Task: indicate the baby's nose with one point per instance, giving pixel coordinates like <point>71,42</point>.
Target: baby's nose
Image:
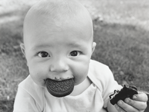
<point>59,66</point>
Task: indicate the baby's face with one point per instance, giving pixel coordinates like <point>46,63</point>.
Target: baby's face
<point>57,51</point>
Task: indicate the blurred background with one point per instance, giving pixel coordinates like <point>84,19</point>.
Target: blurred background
<point>121,31</point>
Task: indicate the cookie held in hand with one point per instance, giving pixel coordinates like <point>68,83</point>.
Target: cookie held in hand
<point>125,92</point>
<point>60,88</point>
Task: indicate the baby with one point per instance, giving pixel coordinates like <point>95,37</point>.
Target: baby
<point>58,45</point>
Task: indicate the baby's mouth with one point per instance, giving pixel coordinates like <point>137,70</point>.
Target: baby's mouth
<point>60,88</point>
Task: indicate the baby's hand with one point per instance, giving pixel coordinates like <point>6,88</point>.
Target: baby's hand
<point>137,104</point>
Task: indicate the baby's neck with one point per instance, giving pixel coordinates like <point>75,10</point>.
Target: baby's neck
<point>78,89</point>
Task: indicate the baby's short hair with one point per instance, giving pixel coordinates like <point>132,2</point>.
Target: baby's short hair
<point>58,10</point>
<point>57,13</point>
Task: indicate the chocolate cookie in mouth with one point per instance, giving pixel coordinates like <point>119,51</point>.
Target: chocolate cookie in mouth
<point>60,88</point>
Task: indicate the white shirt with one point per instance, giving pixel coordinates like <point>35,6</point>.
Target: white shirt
<point>33,98</point>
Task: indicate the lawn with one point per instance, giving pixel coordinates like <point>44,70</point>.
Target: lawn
<point>121,33</point>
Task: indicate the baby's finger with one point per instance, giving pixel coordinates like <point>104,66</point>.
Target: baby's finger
<point>136,104</point>
<point>119,109</point>
<point>127,107</point>
<point>141,97</point>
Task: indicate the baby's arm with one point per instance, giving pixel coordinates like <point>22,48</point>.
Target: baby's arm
<point>111,108</point>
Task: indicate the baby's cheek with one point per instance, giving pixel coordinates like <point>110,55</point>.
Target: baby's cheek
<point>80,73</point>
<point>38,75</point>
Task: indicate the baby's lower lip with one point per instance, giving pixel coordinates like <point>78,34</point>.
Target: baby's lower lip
<point>59,79</point>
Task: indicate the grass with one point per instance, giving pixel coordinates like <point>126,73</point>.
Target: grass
<point>12,63</point>
<point>123,47</point>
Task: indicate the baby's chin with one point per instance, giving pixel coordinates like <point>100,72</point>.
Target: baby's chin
<point>57,87</point>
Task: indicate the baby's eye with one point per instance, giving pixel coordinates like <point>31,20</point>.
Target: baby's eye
<point>75,53</point>
<point>43,54</point>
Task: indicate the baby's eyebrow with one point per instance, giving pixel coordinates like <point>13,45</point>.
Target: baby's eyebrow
<point>71,44</point>
<point>75,44</point>
<point>36,47</point>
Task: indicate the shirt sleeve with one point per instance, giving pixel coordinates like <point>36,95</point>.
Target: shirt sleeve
<point>104,79</point>
<point>24,102</point>
<point>110,85</point>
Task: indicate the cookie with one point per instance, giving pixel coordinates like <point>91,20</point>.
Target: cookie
<point>60,88</point>
<point>125,92</point>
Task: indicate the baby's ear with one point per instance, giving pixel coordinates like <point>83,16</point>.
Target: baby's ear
<point>22,48</point>
<point>93,46</point>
